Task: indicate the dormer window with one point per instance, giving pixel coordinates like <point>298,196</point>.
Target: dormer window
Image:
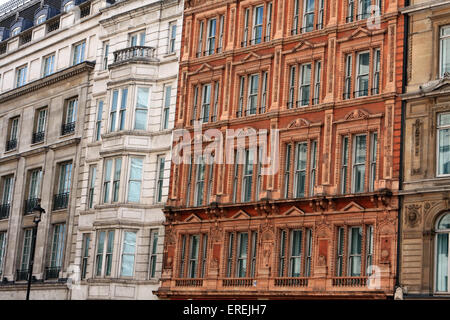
<point>40,19</point>
<point>69,5</point>
<point>15,31</point>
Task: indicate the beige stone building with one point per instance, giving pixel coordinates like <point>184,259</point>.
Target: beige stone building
<point>425,225</point>
<point>87,95</point>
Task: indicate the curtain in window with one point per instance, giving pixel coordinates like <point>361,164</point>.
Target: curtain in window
<point>134,188</point>
<point>129,249</point>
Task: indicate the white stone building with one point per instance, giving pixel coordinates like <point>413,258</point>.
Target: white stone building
<point>87,103</point>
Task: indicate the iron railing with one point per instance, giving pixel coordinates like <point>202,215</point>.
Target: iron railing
<point>188,282</point>
<point>38,137</point>
<point>52,26</point>
<point>11,144</point>
<point>67,128</point>
<point>61,201</point>
<point>21,275</point>
<point>52,272</point>
<point>30,204</point>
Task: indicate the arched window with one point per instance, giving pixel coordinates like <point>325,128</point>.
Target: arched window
<point>442,249</point>
<point>40,19</point>
<point>69,5</point>
<point>15,31</point>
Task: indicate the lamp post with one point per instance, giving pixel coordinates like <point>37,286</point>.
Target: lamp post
<point>37,215</point>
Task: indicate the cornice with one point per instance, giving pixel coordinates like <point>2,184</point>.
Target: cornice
<point>47,81</point>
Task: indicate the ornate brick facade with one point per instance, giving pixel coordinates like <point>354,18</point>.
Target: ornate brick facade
<point>315,226</point>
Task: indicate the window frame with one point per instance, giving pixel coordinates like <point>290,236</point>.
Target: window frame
<point>440,127</point>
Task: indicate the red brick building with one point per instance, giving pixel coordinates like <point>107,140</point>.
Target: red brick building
<point>322,76</point>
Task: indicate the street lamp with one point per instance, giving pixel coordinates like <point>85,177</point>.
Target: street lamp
<point>37,215</point>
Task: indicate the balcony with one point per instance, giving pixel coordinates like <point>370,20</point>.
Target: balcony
<point>38,137</point>
<point>30,204</point>
<point>22,275</point>
<point>52,272</point>
<point>134,54</point>
<point>4,211</point>
<point>188,282</point>
<point>349,281</point>
<point>11,144</point>
<point>61,201</point>
<point>237,282</point>
<point>53,26</point>
<point>290,282</point>
<point>67,128</point>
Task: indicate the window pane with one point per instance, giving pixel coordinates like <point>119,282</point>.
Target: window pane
<point>445,56</point>
<point>442,263</point>
<point>444,223</point>
<point>129,247</point>
<point>444,151</point>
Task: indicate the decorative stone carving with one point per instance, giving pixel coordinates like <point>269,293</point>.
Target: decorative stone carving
<point>357,115</point>
<point>412,217</point>
<point>299,123</point>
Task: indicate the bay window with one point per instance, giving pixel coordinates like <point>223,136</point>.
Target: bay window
<point>142,102</point>
<point>118,113</point>
<point>128,253</point>
<point>135,180</point>
<point>111,180</point>
<point>103,257</point>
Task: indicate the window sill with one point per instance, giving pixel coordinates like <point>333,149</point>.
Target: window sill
<point>168,55</point>
<point>37,143</point>
<point>11,151</point>
<point>67,134</point>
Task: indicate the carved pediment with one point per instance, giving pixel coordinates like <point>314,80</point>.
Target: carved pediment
<point>193,218</point>
<point>357,115</point>
<point>299,123</point>
<point>302,45</point>
<point>352,207</point>
<point>241,214</point>
<point>204,66</point>
<point>436,86</point>
<point>294,211</point>
<point>251,56</point>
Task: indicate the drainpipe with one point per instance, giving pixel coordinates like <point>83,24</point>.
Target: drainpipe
<point>402,134</point>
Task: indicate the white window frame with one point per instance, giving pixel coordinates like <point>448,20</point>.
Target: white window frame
<point>443,38</point>
<point>440,127</point>
<point>134,254</point>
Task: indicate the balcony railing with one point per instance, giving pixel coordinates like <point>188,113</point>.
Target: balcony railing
<point>349,281</point>
<point>237,282</point>
<point>85,11</point>
<point>291,282</point>
<point>188,282</point>
<point>61,201</point>
<point>3,47</point>
<point>25,38</point>
<point>30,204</point>
<point>11,144</point>
<point>52,272</point>
<point>52,26</point>
<point>134,53</point>
<point>38,137</point>
<point>4,211</point>
<point>22,275</point>
<point>67,128</point>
